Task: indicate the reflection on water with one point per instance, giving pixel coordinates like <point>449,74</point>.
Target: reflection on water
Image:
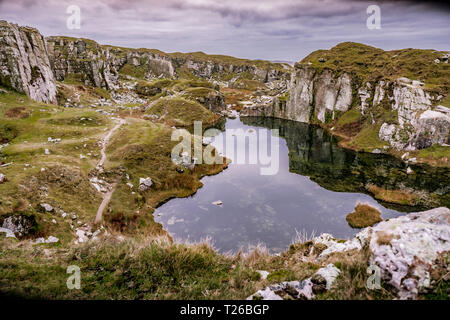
<point>316,186</point>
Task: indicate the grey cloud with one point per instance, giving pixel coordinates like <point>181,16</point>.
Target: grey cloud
<point>281,30</point>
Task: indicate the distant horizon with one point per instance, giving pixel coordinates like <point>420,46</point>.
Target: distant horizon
<point>285,30</point>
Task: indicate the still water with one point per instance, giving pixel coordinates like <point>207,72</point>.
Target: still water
<point>316,186</point>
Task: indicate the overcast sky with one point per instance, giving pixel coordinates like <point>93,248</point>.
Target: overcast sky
<point>256,29</point>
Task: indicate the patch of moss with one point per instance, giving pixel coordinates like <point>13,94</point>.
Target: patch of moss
<point>8,131</point>
<point>364,215</point>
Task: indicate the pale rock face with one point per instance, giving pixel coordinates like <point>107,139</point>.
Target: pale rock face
<point>417,239</point>
<point>24,63</point>
<point>299,105</point>
<point>344,99</point>
<point>379,93</point>
<point>325,96</point>
<point>387,131</point>
<point>96,66</point>
<point>404,248</point>
<point>364,93</point>
<point>408,101</point>
<point>432,127</point>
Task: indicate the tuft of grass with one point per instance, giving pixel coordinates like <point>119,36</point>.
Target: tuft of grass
<point>403,197</point>
<point>384,238</point>
<point>364,215</point>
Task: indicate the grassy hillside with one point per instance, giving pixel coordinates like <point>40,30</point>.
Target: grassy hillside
<point>370,64</point>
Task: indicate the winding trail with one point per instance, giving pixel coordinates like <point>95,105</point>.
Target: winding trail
<point>107,195</point>
<point>106,141</point>
<point>106,199</point>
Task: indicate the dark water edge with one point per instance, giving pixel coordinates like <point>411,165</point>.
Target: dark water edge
<point>317,185</point>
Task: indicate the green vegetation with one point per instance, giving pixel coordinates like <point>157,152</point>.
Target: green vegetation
<point>363,216</point>
<point>180,112</point>
<point>350,116</point>
<point>370,63</point>
<point>404,197</point>
<point>367,139</point>
<point>137,72</point>
<point>8,131</point>
<point>143,149</point>
<point>435,152</point>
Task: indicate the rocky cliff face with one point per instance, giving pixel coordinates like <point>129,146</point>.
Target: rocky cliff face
<point>417,125</point>
<point>322,96</point>
<point>86,60</point>
<point>24,63</point>
<point>99,65</point>
<point>31,64</point>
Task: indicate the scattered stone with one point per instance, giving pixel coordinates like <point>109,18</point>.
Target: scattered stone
<point>299,290</point>
<point>292,290</point>
<point>82,156</point>
<point>53,221</point>
<point>47,152</point>
<point>409,170</point>
<point>6,164</point>
<point>47,207</point>
<point>217,203</point>
<point>130,185</point>
<point>322,60</point>
<point>8,232</point>
<point>329,273</point>
<point>2,178</point>
<point>50,139</point>
<point>50,239</point>
<point>145,184</point>
<point>376,151</point>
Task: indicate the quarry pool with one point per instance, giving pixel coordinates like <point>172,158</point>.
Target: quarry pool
<point>316,186</point>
